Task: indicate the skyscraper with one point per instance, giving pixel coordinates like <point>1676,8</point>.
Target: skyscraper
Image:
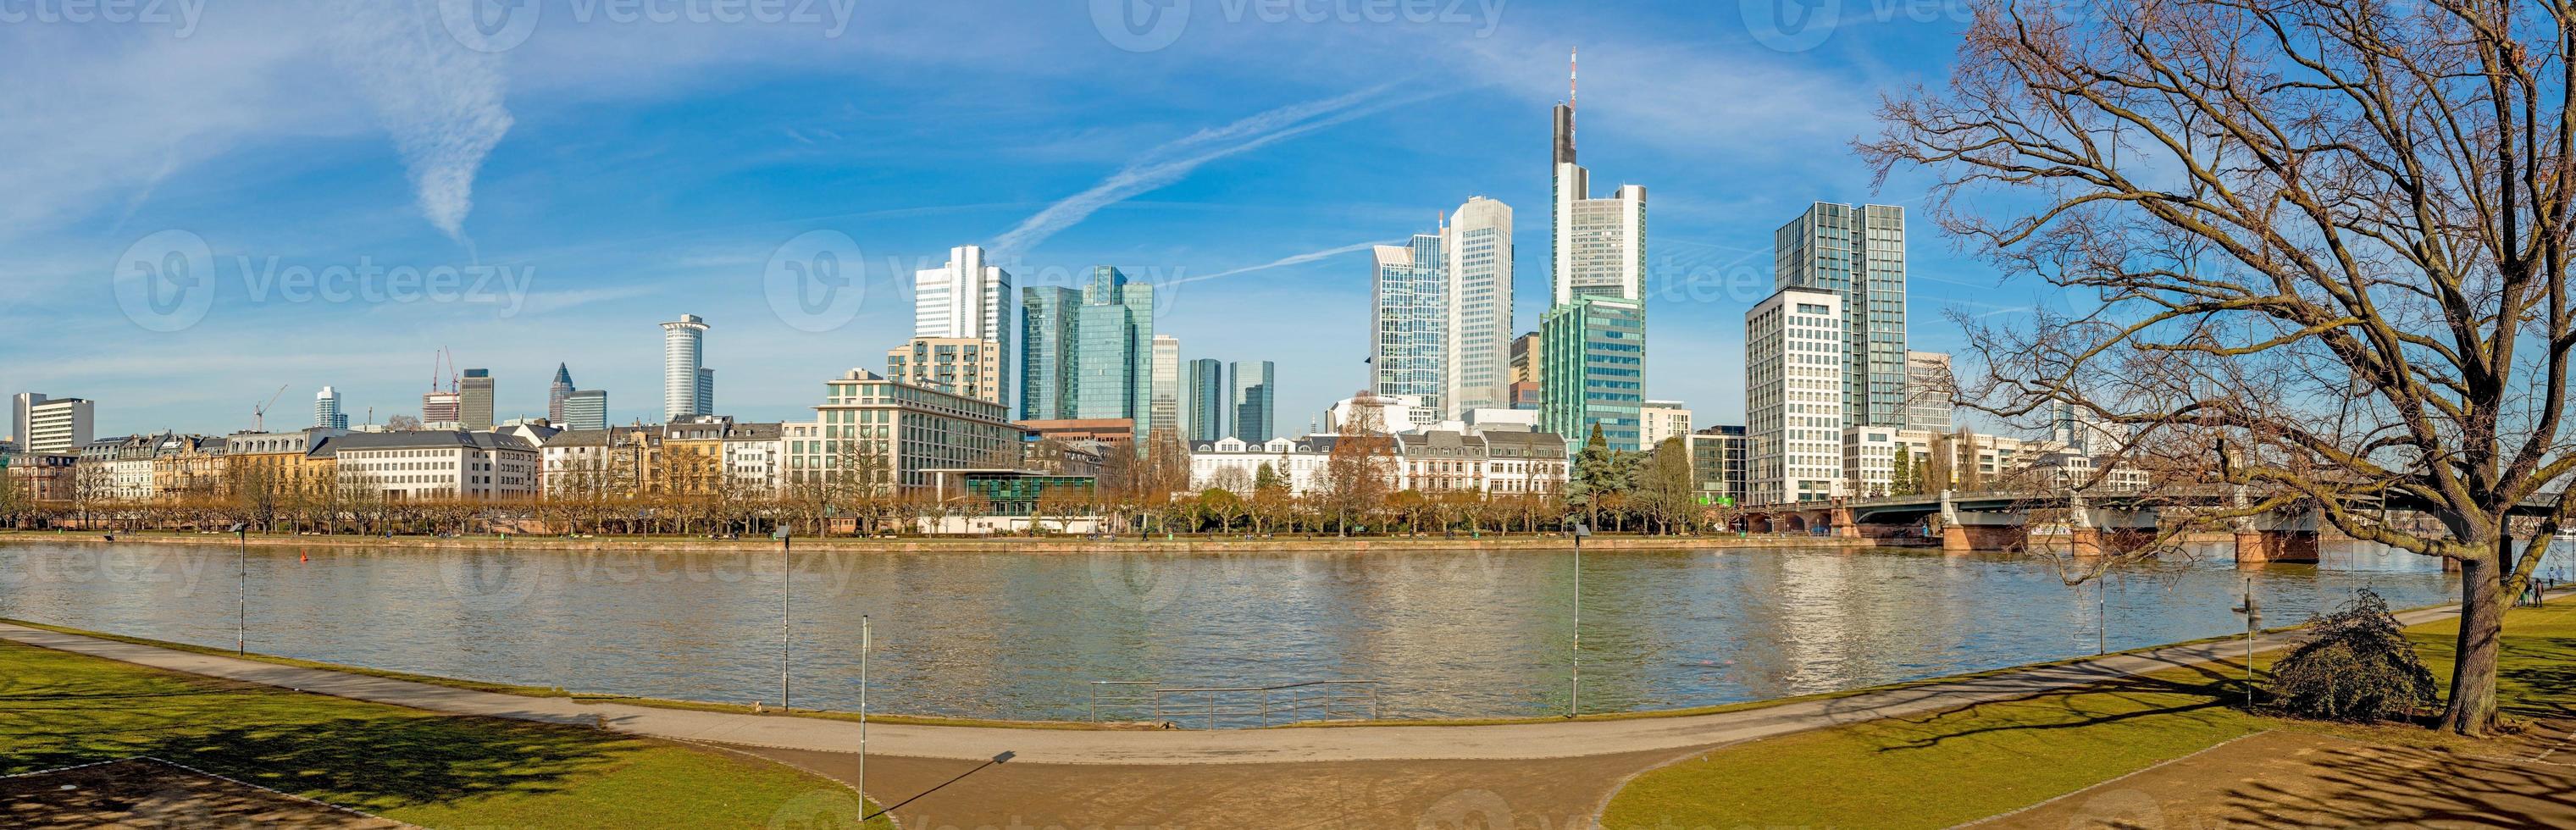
<point>1928,390</point>
<point>474,400</point>
<point>1255,401</point>
<point>1858,253</point>
<point>1046,352</point>
<point>684,368</point>
<point>967,299</point>
<point>1593,359</point>
<point>585,409</point>
<point>556,392</point>
<point>1477,248</point>
<point>1597,247</point>
<point>1793,396</point>
<point>956,365</point>
<point>1410,323</point>
<point>1166,374</point>
<point>1203,402</point>
<point>1089,357</point>
<point>326,410</point>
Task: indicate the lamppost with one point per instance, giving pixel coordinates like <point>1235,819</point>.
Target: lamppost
<point>786,609</point>
<point>1574,702</point>
<point>2253,619</point>
<point>241,610</point>
<point>864,646</point>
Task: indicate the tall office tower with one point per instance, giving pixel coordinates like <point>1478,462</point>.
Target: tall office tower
<point>1409,321</point>
<point>1593,368</point>
<point>956,365</point>
<point>967,299</point>
<point>1658,420</point>
<point>585,409</point>
<point>1203,403</point>
<point>1477,248</point>
<point>326,410</point>
<point>1928,390</point>
<point>1047,352</point>
<point>556,392</point>
<point>1858,253</point>
<point>1166,409</point>
<point>1793,396</point>
<point>474,400</point>
<point>684,355</point>
<point>1114,350</point>
<point>1597,246</point>
<point>706,391</point>
<point>51,425</point>
<point>1255,400</point>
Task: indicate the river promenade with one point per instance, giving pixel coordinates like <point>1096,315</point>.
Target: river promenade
<point>1211,543</point>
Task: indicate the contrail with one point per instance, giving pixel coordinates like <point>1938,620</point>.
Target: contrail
<point>439,100</point>
<point>1169,162</point>
<point>1291,260</point>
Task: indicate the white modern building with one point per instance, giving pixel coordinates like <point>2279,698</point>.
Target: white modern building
<point>1437,462</point>
<point>43,425</point>
<point>688,386</point>
<point>1234,464</point>
<point>1164,414</point>
<point>969,299</point>
<point>1929,388</point>
<point>1477,248</point>
<point>885,435</point>
<point>1658,420</point>
<point>327,413</point>
<point>1793,396</point>
<point>437,464</point>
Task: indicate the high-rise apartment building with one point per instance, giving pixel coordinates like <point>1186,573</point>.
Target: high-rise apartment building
<point>1929,389</point>
<point>1165,412</point>
<point>956,365</point>
<point>1793,396</point>
<point>43,425</point>
<point>1203,400</point>
<point>327,413</point>
<point>687,385</point>
<point>556,392</point>
<point>967,299</point>
<point>585,409</point>
<point>1859,253</point>
<point>1410,323</point>
<point>1255,400</point>
<point>474,400</point>
<point>1658,420</point>
<point>1593,367</point>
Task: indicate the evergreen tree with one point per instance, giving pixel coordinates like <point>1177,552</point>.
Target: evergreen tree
<point>1901,482</point>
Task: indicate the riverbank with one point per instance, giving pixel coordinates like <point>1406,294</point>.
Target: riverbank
<point>1274,543</point>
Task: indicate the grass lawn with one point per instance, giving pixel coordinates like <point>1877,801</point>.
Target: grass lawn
<point>58,709</point>
<point>1940,769</point>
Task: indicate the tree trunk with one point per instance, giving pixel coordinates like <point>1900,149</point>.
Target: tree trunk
<point>2473,679</point>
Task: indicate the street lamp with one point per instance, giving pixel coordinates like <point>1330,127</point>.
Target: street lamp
<point>2253,619</point>
<point>1574,702</point>
<point>865,644</point>
<point>786,609</point>
<point>241,610</point>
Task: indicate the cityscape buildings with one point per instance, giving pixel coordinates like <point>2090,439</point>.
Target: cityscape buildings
<point>887,436</point>
<point>1859,253</point>
<point>1088,355</point>
<point>688,387</point>
<point>557,391</point>
<point>1253,400</point>
<point>1593,359</point>
<point>1477,249</point>
<point>41,424</point>
<point>1793,396</point>
<point>585,409</point>
<point>474,400</point>
<point>1410,322</point>
<point>959,365</point>
<point>1204,404</point>
<point>1928,391</point>
<point>968,299</point>
<point>1658,420</point>
<point>326,410</point>
<point>1164,416</point>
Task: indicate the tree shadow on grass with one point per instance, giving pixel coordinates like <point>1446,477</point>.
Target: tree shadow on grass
<point>2107,702</point>
<point>2371,786</point>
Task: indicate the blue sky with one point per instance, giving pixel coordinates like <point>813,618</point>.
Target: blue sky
<point>615,171</point>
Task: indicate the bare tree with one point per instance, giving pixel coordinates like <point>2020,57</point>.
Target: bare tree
<point>2314,252</point>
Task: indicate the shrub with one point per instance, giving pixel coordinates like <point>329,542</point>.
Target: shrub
<point>2356,666</point>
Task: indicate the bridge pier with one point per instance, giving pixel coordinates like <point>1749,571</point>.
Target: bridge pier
<point>2267,539</point>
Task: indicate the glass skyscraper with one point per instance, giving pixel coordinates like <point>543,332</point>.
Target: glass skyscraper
<point>1411,323</point>
<point>1256,411</point>
<point>1091,358</point>
<point>1046,354</point>
<point>1859,253</point>
<point>1593,365</point>
<point>1203,400</point>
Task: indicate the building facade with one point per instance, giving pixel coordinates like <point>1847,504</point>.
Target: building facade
<point>1929,388</point>
<point>557,391</point>
<point>1254,400</point>
<point>1658,420</point>
<point>1594,362</point>
<point>968,299</point>
<point>327,413</point>
<point>585,409</point>
<point>1164,415</point>
<point>43,425</point>
<point>1858,253</point>
<point>437,464</point>
<point>474,400</point>
<point>1793,396</point>
<point>958,365</point>
<point>1203,403</point>
<point>688,386</point>
<point>1477,249</point>
<point>885,436</point>
<point>1720,462</point>
<point>1088,357</point>
<point>1409,322</point>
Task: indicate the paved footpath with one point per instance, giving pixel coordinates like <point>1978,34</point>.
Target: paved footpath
<point>1571,739</point>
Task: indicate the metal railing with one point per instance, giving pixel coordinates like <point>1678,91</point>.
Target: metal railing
<point>1224,707</point>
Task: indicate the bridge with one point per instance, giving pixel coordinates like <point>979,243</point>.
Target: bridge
<point>2093,523</point>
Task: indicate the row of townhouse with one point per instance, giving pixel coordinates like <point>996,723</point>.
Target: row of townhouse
<point>1493,462</point>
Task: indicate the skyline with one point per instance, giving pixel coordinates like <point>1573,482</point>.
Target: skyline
<point>622,205</point>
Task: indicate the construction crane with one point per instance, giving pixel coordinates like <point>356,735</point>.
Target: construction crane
<point>259,414</point>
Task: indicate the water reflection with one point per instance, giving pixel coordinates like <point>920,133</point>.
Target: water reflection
<point>1020,636</point>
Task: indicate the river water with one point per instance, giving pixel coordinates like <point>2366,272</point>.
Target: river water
<point>1445,634</point>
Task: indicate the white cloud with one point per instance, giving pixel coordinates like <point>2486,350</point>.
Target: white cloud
<point>441,102</point>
